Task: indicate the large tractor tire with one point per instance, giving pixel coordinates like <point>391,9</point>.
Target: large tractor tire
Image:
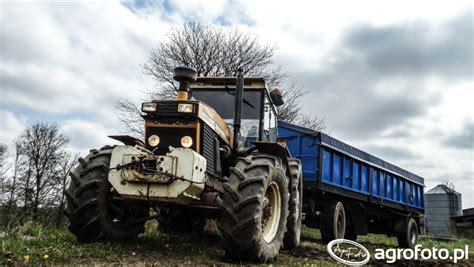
<point>295,216</point>
<point>181,221</point>
<point>95,210</point>
<point>409,237</point>
<point>333,221</point>
<point>255,209</point>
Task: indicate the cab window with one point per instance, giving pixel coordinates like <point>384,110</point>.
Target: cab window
<point>223,102</point>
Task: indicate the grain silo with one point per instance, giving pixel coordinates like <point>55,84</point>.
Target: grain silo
<point>441,204</point>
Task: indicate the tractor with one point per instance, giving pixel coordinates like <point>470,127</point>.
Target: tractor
<point>212,152</point>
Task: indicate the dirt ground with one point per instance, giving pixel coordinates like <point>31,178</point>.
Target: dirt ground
<point>205,250</point>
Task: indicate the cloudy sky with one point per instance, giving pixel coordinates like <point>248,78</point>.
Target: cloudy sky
<point>392,78</point>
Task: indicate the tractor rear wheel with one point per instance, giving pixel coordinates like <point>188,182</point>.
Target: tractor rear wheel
<point>255,209</point>
<point>95,210</point>
<point>295,216</point>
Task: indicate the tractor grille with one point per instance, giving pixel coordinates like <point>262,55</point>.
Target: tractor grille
<point>210,150</point>
<point>167,112</point>
<point>167,108</point>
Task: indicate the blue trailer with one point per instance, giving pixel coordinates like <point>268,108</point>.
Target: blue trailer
<point>348,192</point>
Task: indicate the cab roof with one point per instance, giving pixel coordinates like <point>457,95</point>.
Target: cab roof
<point>226,82</point>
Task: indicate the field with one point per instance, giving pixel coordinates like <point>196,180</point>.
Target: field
<point>36,245</point>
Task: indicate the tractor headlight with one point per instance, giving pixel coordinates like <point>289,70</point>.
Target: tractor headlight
<point>186,141</point>
<point>153,140</point>
<point>185,108</point>
<point>148,107</point>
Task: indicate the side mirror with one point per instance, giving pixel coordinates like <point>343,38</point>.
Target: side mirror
<point>276,97</point>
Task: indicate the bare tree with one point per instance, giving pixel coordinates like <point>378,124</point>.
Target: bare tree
<point>130,117</point>
<point>212,51</point>
<point>448,184</point>
<point>12,191</point>
<point>311,122</point>
<point>42,150</point>
<point>3,171</point>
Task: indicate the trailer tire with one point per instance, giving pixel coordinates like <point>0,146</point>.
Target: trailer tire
<point>295,215</point>
<point>409,237</point>
<point>92,213</point>
<point>333,221</point>
<point>254,209</point>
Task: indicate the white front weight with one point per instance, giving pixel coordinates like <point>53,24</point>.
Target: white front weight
<point>187,166</point>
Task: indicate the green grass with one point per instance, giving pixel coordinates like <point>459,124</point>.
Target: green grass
<point>37,245</point>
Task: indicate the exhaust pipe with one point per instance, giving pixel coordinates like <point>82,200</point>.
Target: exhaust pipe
<point>184,75</point>
<point>239,97</point>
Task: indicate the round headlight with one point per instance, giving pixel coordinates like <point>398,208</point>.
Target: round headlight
<point>186,141</point>
<point>153,140</point>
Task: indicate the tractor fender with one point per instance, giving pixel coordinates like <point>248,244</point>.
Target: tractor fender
<point>128,140</point>
<point>276,149</point>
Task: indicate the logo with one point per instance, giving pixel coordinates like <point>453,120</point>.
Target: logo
<point>348,252</point>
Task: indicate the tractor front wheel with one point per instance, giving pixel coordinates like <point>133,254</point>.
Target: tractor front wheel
<point>255,209</point>
<point>95,210</point>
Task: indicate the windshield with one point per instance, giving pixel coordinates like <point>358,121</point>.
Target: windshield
<point>223,102</point>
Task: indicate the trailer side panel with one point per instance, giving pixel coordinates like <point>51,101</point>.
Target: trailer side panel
<point>347,170</point>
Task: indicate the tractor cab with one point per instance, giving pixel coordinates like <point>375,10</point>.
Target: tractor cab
<point>258,116</point>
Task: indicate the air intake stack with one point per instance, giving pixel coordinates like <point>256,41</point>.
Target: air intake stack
<point>184,75</point>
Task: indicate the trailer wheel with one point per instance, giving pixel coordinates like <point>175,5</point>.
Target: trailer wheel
<point>295,215</point>
<point>409,237</point>
<point>255,209</point>
<point>333,221</point>
<point>95,210</point>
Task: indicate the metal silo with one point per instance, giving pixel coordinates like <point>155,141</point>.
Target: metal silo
<point>441,204</point>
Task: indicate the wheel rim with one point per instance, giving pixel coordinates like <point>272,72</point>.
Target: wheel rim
<point>271,212</point>
<point>413,235</point>
<point>297,209</point>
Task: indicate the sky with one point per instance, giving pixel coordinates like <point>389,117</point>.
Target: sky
<point>393,78</point>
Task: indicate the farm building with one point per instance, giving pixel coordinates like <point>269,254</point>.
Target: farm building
<point>441,205</point>
<point>465,223</point>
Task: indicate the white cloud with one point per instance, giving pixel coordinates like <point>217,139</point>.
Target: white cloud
<point>66,61</point>
<point>69,61</point>
<point>12,126</point>
<point>74,57</point>
<point>85,135</point>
